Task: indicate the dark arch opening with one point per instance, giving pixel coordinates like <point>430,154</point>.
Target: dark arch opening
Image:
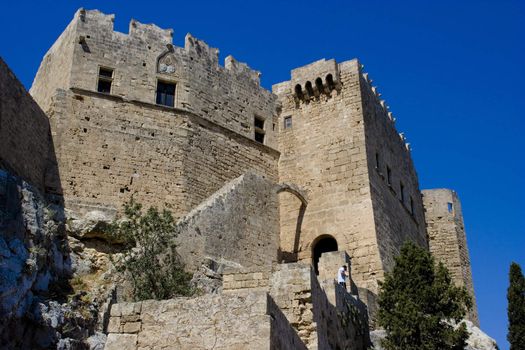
<point>324,244</point>
<point>319,85</point>
<point>298,91</point>
<point>309,88</point>
<point>330,81</point>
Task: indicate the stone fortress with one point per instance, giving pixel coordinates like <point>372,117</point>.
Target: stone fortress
<point>274,190</point>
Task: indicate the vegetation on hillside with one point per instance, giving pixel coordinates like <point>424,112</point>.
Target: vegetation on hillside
<point>419,306</point>
<point>516,308</point>
<point>150,261</point>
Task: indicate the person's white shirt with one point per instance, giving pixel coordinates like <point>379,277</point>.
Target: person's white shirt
<point>341,274</point>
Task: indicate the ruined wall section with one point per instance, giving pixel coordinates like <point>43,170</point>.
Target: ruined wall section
<point>398,216</point>
<point>447,238</point>
<point>109,149</point>
<point>233,321</point>
<point>324,153</point>
<point>230,96</point>
<point>238,225</point>
<point>26,147</point>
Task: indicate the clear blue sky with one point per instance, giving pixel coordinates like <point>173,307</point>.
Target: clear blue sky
<point>451,71</point>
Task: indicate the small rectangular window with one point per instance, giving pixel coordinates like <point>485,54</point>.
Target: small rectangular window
<point>389,176</point>
<point>378,165</point>
<point>105,78</point>
<point>287,122</point>
<point>402,190</point>
<point>165,94</point>
<point>450,207</point>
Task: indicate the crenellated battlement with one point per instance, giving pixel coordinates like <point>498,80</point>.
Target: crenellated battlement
<point>101,22</point>
<point>389,117</point>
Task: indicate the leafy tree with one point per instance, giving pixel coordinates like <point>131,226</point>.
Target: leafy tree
<point>419,305</point>
<point>516,308</point>
<point>150,260</point>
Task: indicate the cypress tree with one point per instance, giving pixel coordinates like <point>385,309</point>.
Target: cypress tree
<point>516,308</point>
<point>419,305</point>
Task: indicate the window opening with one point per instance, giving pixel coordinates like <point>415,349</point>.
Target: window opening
<point>389,176</point>
<point>165,94</point>
<point>258,123</point>
<point>378,165</point>
<point>450,207</point>
<point>411,206</point>
<point>287,122</point>
<point>105,78</point>
<point>402,190</point>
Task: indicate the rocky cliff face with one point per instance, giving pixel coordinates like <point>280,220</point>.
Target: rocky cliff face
<point>39,308</point>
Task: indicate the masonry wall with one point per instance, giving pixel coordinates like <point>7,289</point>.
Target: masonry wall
<point>110,149</point>
<point>324,153</point>
<point>26,147</point>
<point>398,217</point>
<point>447,238</point>
<point>240,321</point>
<point>322,321</point>
<point>237,226</point>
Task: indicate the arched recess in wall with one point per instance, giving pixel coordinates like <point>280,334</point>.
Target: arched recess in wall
<point>322,244</point>
<point>292,207</point>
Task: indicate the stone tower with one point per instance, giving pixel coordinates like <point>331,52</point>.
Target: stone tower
<point>447,238</point>
<point>339,144</point>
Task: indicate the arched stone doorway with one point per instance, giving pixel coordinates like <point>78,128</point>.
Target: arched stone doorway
<point>322,245</point>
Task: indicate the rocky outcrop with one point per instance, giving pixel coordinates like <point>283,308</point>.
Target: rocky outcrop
<point>40,305</point>
<point>478,340</point>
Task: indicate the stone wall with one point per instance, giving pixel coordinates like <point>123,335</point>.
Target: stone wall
<point>321,323</point>
<point>238,225</point>
<point>447,238</point>
<point>324,153</point>
<point>110,149</point>
<point>397,216</point>
<point>26,147</point>
<point>233,321</point>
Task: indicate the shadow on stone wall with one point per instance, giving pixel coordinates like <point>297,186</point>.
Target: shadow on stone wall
<point>35,258</point>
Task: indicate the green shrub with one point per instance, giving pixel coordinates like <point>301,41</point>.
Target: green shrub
<point>150,261</point>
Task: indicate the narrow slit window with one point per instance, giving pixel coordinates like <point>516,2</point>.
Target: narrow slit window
<point>165,93</point>
<point>288,122</point>
<point>450,207</point>
<point>411,206</point>
<point>389,176</point>
<point>402,192</point>
<point>105,78</point>
<point>378,165</point>
<point>258,124</point>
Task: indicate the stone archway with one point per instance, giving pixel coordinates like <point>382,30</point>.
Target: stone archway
<point>322,245</point>
<point>292,210</point>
